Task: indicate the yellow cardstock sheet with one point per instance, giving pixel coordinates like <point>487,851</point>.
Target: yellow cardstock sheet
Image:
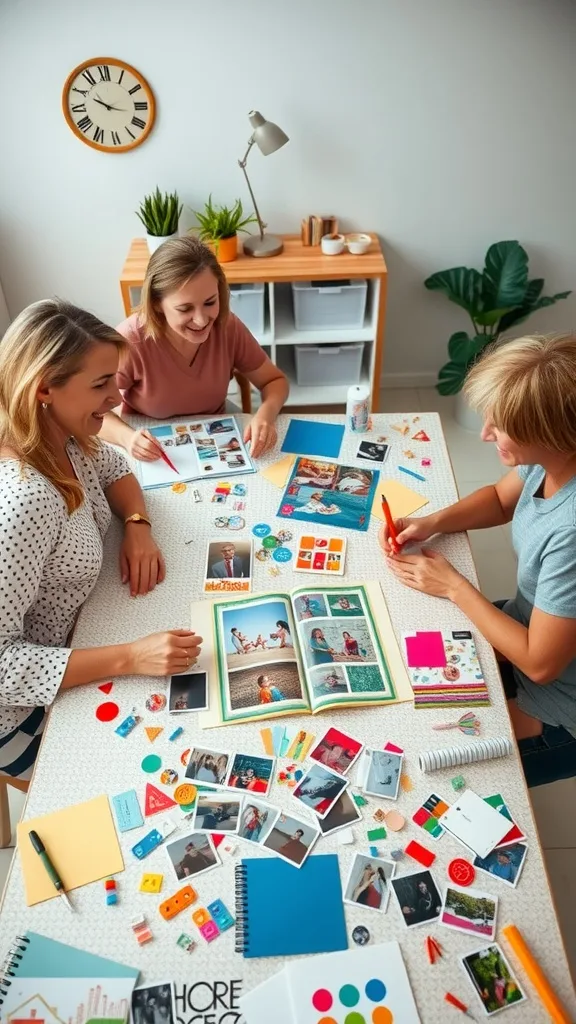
<point>279,472</point>
<point>81,842</point>
<point>403,502</point>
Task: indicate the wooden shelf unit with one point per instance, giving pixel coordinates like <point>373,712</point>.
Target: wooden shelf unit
<point>297,263</point>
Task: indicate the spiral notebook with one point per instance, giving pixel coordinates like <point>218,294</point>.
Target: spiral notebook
<point>282,911</point>
<point>45,980</point>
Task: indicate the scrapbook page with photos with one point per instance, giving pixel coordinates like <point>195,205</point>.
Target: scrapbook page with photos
<point>325,492</point>
<point>304,651</point>
<point>204,449</point>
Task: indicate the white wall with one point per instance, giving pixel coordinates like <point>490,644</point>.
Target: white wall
<point>442,124</point>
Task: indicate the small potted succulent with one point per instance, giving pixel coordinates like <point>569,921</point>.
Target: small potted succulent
<point>219,226</point>
<point>160,214</point>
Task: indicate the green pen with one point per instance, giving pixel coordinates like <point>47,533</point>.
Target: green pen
<point>53,874</point>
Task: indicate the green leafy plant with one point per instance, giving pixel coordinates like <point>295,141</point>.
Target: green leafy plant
<point>218,222</point>
<point>160,213</point>
<point>496,300</point>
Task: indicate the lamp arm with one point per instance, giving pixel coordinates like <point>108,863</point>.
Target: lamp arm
<point>242,164</point>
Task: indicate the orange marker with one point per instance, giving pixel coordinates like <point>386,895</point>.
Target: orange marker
<point>390,524</point>
<point>546,993</point>
<point>458,1005</point>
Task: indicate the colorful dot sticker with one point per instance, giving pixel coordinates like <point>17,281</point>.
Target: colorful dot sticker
<point>151,763</point>
<point>349,996</point>
<point>322,1000</point>
<point>270,543</point>
<point>282,554</point>
<point>107,711</point>
<point>261,530</point>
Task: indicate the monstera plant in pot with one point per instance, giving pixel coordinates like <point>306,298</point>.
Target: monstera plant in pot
<point>496,300</point>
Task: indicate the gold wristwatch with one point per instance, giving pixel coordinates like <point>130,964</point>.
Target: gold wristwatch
<point>137,518</point>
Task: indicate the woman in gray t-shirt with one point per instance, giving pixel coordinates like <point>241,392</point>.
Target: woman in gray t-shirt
<point>526,391</point>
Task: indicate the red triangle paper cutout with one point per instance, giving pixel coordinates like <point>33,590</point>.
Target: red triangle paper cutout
<point>421,436</point>
<point>217,839</point>
<point>106,687</point>
<point>155,800</point>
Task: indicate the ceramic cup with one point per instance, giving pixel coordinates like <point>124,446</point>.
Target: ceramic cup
<point>358,243</point>
<point>332,245</point>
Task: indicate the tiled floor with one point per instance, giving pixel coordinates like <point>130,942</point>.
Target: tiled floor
<point>476,464</point>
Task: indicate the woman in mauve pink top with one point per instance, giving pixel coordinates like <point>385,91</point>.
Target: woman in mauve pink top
<point>184,345</point>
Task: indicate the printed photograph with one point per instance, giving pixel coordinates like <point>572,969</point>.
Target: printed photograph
<point>217,812</point>
<point>323,492</point>
<point>228,444</point>
<point>336,750</point>
<point>224,426</point>
<point>252,772</point>
<point>229,560</point>
<point>182,439</point>
<point>256,820</point>
<point>345,605</point>
<point>264,684</point>
<point>291,838</point>
<point>257,633</point>
<point>210,767</point>
<point>371,452</point>
<point>368,882</point>
<point>383,778</point>
<point>196,428</point>
<point>332,643</point>
<point>504,864</point>
<point>188,692</point>
<point>311,606</point>
<point>319,789</point>
<point>418,898</point>
<point>492,979</point>
<point>469,910</point>
<point>343,813</point>
<point>327,682</point>
<point>153,1004</point>
<point>191,855</point>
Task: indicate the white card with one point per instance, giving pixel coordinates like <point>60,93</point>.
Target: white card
<point>268,1001</point>
<point>475,823</point>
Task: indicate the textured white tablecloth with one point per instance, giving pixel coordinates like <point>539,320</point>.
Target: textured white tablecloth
<point>82,758</point>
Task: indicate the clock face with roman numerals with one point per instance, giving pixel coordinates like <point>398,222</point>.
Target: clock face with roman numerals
<point>108,104</point>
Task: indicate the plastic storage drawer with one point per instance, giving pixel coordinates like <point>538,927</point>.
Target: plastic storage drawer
<point>329,364</point>
<point>320,305</point>
<point>247,302</point>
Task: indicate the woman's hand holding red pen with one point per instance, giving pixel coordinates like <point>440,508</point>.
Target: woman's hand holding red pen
<point>408,531</point>
<point>144,447</point>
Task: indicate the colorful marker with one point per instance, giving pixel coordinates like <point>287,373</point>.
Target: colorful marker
<point>390,524</point>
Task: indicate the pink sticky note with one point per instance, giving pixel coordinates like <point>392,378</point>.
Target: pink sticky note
<point>393,749</point>
<point>426,650</point>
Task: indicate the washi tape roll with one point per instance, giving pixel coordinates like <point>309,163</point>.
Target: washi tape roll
<point>450,757</point>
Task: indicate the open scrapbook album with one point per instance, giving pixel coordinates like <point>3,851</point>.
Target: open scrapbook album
<point>308,650</point>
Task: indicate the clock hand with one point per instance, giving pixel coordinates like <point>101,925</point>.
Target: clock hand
<point>102,104</point>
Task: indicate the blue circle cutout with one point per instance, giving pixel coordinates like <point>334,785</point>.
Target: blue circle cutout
<point>281,554</point>
<point>261,530</point>
<point>375,990</point>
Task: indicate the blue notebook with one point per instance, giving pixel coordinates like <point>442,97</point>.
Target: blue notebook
<point>287,911</point>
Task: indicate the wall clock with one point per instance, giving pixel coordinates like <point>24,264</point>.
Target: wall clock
<point>108,104</point>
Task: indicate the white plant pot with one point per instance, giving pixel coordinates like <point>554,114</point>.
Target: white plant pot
<point>466,417</point>
<point>155,241</point>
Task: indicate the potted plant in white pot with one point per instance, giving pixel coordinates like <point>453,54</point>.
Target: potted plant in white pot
<point>219,225</point>
<point>160,214</point>
<point>496,300</point>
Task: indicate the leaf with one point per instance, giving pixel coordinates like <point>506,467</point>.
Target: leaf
<point>451,378</point>
<point>492,317</point>
<point>160,213</point>
<point>463,349</point>
<point>461,285</point>
<point>518,316</point>
<point>505,276</point>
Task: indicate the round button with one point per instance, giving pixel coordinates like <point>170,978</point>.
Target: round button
<point>184,757</point>
<point>361,935</point>
<point>236,523</point>
<point>107,711</point>
<point>461,871</point>
<point>185,794</point>
<point>156,702</point>
<point>284,536</point>
<point>151,763</point>
<point>395,821</point>
<point>169,777</point>
<point>270,542</point>
<point>261,530</point>
<point>221,522</point>
<point>282,554</point>
<point>179,487</point>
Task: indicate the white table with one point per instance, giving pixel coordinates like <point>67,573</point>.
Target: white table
<point>82,758</point>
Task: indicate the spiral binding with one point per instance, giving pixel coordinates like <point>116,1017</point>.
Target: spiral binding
<point>241,892</point>
<point>11,963</point>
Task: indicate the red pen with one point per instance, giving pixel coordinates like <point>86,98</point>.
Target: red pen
<point>391,528</point>
<point>163,453</point>
<point>458,1005</point>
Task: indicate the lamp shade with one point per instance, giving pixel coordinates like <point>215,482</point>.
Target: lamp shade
<point>267,135</point>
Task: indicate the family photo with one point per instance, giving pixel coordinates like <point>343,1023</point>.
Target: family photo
<point>218,813</point>
<point>331,643</point>
<point>319,789</point>
<point>492,978</point>
<point>188,692</point>
<point>291,838</point>
<point>210,767</point>
<point>418,898</point>
<point>336,750</point>
<point>257,632</point>
<point>256,821</point>
<point>265,684</point>
<point>191,855</point>
<point>152,1004</point>
<point>469,911</point>
<point>251,772</point>
<point>368,882</point>
<point>383,778</point>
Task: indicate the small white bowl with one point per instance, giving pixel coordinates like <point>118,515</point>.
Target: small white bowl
<point>358,243</point>
<point>332,245</point>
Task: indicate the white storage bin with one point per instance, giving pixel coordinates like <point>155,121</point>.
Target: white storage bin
<point>247,302</point>
<point>319,305</point>
<point>329,364</point>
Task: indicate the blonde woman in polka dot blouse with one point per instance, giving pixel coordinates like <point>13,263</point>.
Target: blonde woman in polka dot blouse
<point>59,486</point>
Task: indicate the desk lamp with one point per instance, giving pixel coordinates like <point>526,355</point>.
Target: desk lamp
<point>268,137</point>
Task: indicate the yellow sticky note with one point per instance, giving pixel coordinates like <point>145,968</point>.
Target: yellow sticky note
<point>151,883</point>
<point>81,842</point>
<point>403,502</point>
<point>279,472</point>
